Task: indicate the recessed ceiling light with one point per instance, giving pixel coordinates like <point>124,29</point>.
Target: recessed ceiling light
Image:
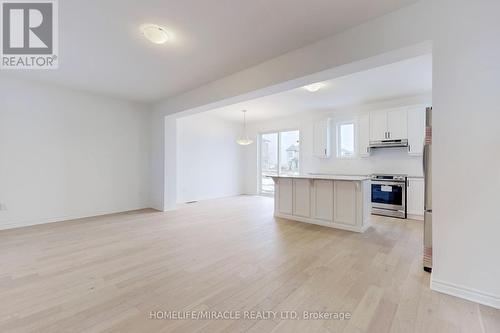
<point>314,87</point>
<point>154,33</point>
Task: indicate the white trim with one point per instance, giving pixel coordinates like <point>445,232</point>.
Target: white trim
<point>68,218</point>
<point>466,293</point>
<point>415,217</point>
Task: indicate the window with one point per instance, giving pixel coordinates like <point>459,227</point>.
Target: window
<point>268,162</point>
<point>345,140</point>
<point>289,153</point>
<point>279,155</point>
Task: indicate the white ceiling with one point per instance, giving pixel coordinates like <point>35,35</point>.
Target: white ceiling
<point>397,80</point>
<point>101,49</point>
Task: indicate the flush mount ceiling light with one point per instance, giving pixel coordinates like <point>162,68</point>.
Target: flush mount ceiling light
<point>154,33</point>
<point>314,87</point>
<point>244,140</point>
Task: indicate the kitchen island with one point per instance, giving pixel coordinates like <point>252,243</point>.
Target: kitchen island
<point>337,201</point>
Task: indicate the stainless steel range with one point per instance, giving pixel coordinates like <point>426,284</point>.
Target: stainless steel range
<point>389,195</point>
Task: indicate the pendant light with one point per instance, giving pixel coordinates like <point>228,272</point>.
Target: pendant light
<point>244,140</point>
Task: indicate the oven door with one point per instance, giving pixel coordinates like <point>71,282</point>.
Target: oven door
<point>388,195</point>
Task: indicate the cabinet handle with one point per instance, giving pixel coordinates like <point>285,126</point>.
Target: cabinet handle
<point>389,134</point>
<point>409,148</point>
<point>325,151</point>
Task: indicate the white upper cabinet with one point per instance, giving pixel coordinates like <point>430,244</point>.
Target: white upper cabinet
<point>397,124</point>
<point>388,125</point>
<point>416,131</point>
<point>364,136</point>
<point>321,140</point>
<point>378,126</point>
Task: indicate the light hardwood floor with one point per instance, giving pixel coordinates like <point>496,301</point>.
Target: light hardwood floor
<point>106,274</point>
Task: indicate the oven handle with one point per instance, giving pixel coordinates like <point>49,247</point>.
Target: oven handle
<point>375,182</point>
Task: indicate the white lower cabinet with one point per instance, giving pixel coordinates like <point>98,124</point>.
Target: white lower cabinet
<point>323,200</point>
<point>285,196</point>
<point>415,197</point>
<point>302,197</point>
<point>344,206</point>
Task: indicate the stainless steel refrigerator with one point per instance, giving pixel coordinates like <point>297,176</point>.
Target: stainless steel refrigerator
<point>427,163</point>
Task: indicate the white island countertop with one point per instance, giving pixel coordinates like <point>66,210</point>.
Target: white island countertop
<point>325,176</point>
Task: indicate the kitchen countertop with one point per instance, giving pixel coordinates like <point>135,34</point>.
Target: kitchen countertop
<point>326,177</point>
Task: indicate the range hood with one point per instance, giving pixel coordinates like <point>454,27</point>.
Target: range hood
<point>389,143</point>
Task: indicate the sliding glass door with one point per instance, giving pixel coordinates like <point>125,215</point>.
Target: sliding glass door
<point>279,155</point>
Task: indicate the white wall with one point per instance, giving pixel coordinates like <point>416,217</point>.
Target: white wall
<point>209,161</point>
<point>395,160</point>
<point>466,149</point>
<point>399,35</point>
<point>67,154</point>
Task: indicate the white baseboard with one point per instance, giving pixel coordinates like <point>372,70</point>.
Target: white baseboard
<point>415,217</point>
<point>30,223</point>
<point>466,293</point>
